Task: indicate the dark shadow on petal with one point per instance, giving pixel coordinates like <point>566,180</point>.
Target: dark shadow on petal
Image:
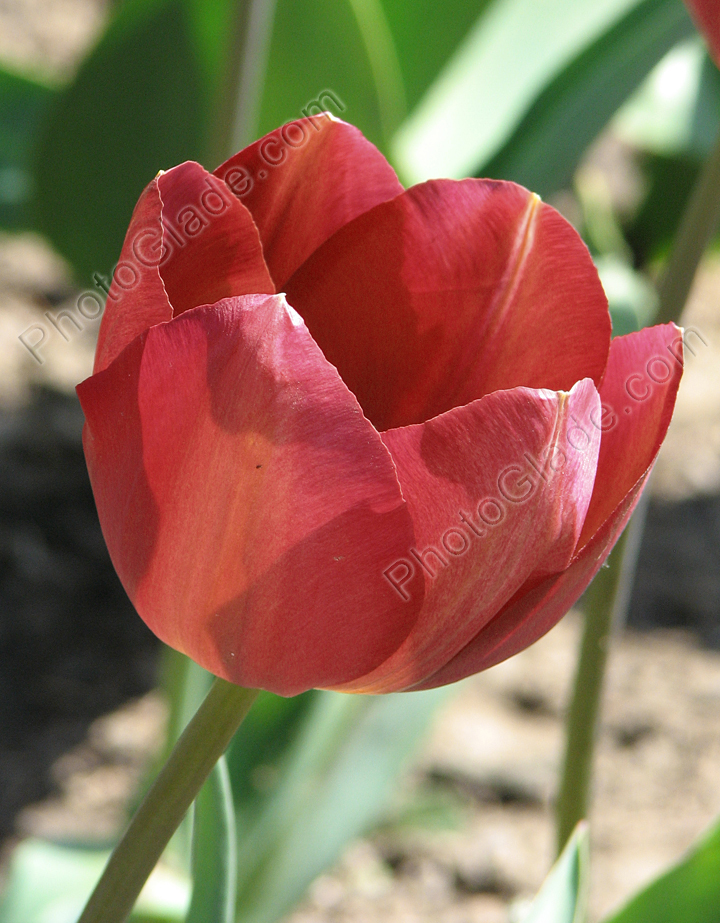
<point>112,439</point>
<point>324,613</point>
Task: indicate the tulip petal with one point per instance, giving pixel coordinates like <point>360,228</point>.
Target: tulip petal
<point>137,297</point>
<point>638,396</point>
<point>213,246</point>
<point>498,491</point>
<point>264,505</point>
<point>449,292</point>
<point>189,243</point>
<point>706,14</point>
<point>537,607</point>
<point>303,182</point>
<point>643,374</point>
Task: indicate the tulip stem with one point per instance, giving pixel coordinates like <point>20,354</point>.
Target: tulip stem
<point>607,597</point>
<point>200,746</point>
<point>251,73</point>
<point>604,606</point>
<point>582,719</point>
<point>697,226</point>
<point>241,87</point>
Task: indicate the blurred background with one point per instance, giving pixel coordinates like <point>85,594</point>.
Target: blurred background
<point>611,123</point>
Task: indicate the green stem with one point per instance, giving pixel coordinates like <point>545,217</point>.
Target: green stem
<point>697,226</point>
<point>582,719</point>
<point>607,599</point>
<point>240,95</point>
<point>604,608</point>
<point>202,743</point>
<point>251,81</point>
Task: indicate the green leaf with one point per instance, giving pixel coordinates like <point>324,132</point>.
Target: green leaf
<point>184,684</point>
<point>334,787</point>
<point>631,297</point>
<point>688,893</point>
<point>143,100</point>
<point>48,883</point>
<point>563,896</point>
<point>259,748</point>
<point>384,64</point>
<point>669,182</point>
<point>706,113</point>
<point>675,120</point>
<point>676,109</point>
<point>139,104</point>
<point>214,862</point>
<point>426,33</point>
<point>256,752</point>
<point>515,50</point>
<point>24,103</point>
<point>378,58</point>
<point>317,47</point>
<point>549,142</point>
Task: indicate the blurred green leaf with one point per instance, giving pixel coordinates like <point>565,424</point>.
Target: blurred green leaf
<point>255,755</point>
<point>432,808</point>
<point>140,103</point>
<point>209,24</point>
<point>214,864</point>
<point>563,896</point>
<point>384,64</point>
<point>687,893</point>
<point>184,685</point>
<point>674,121</point>
<point>549,142</point>
<point>376,56</point>
<point>335,786</point>
<point>706,114</point>
<point>670,181</point>
<point>631,297</point>
<point>144,100</point>
<point>426,33</point>
<point>317,46</point>
<point>47,883</point>
<point>512,54</point>
<point>670,111</point>
<point>259,747</point>
<point>24,103</point>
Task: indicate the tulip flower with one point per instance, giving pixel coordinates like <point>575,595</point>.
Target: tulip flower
<point>706,14</point>
<point>349,436</point>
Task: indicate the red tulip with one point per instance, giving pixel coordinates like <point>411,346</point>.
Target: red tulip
<point>398,473</point>
<point>706,14</point>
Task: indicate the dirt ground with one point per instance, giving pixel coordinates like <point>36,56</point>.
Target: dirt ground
<point>80,722</point>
